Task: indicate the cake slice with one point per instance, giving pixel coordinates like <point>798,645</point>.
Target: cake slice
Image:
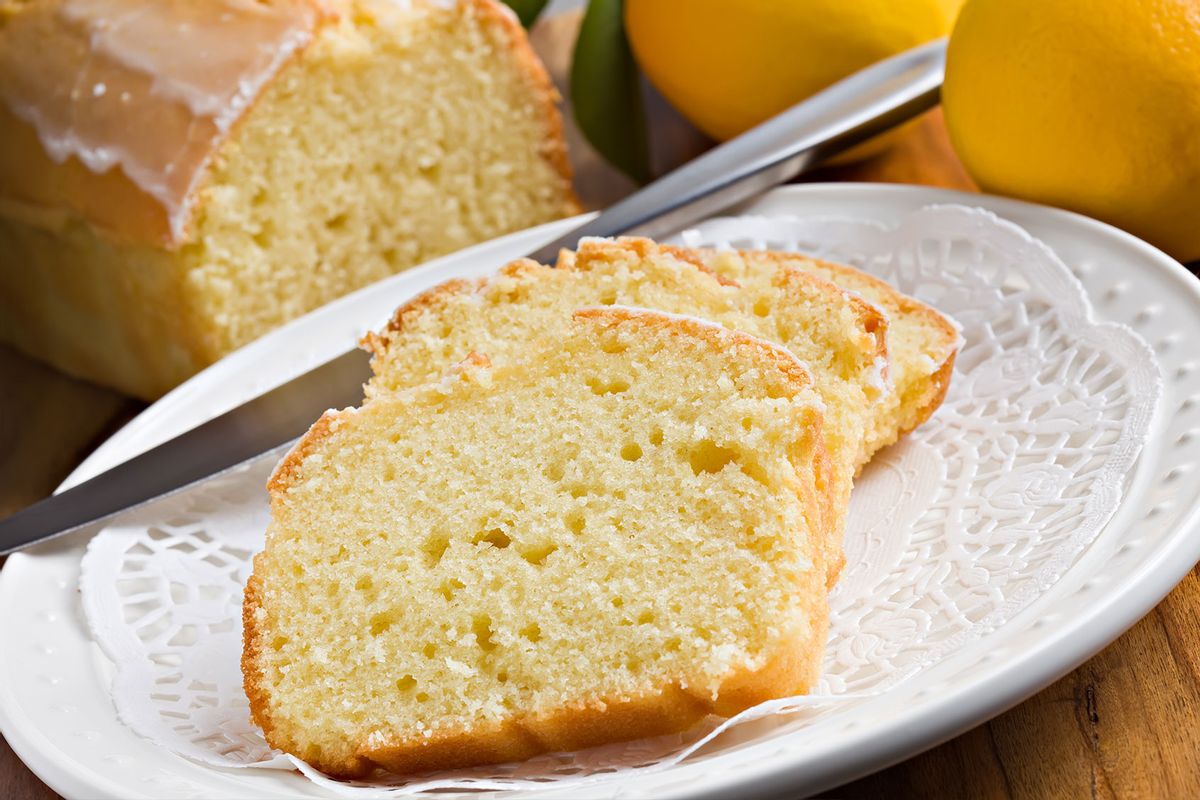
<point>610,536</point>
<point>922,342</point>
<point>840,336</point>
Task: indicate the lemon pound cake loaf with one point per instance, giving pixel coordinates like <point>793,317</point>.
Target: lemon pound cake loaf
<point>922,342</point>
<point>840,337</point>
<point>177,177</point>
<point>605,539</point>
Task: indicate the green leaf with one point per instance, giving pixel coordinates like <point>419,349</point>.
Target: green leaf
<point>526,10</point>
<point>605,91</point>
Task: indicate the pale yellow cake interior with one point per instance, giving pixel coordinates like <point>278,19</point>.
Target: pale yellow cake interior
<point>619,512</point>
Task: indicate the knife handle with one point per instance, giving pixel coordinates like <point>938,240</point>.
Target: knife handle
<point>837,118</point>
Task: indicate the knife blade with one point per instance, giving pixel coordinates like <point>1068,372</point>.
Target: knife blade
<point>847,113</point>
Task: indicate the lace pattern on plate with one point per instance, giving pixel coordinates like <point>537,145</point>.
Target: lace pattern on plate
<point>950,533</point>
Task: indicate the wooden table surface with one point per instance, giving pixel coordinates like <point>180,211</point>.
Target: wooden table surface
<point>1126,724</point>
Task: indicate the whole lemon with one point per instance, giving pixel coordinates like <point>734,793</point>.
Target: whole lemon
<point>1091,105</point>
<point>728,66</point>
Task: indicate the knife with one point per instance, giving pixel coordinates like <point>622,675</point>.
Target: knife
<point>848,112</point>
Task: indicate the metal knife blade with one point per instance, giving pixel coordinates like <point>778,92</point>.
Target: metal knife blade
<point>849,112</point>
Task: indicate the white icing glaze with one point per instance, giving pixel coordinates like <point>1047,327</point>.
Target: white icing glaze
<point>149,88</point>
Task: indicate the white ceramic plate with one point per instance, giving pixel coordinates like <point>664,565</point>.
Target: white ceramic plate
<point>56,714</point>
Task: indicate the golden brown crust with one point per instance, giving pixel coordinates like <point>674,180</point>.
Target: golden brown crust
<point>642,248</point>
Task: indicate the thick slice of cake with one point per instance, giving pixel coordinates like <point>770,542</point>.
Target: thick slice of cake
<point>177,177</point>
<point>607,537</point>
<point>838,335</point>
<point>922,342</point>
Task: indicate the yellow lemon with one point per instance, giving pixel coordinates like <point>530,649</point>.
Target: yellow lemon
<point>728,66</point>
<point>1091,105</point>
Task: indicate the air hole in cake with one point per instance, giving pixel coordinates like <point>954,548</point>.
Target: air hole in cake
<point>364,584</point>
<point>264,236</point>
<point>435,547</point>
<point>756,543</point>
<point>421,697</point>
<point>747,423</point>
<point>502,676</point>
<point>631,452</point>
<point>578,490</point>
<point>757,472</point>
<point>337,222</point>
<point>278,642</point>
<point>407,683</point>
<point>451,586</point>
<point>382,621</point>
<point>495,537</point>
<point>707,456</point>
<point>538,554</point>
<point>672,645</point>
<point>618,602</point>
<point>389,473</point>
<point>482,628</point>
<point>575,521</point>
<point>612,345</point>
<point>776,391</point>
<point>554,472</point>
<point>762,307</point>
<point>391,255</point>
<point>608,297</point>
<point>429,650</point>
<point>645,618</point>
<point>532,632</point>
<point>614,386</point>
<point>656,437</point>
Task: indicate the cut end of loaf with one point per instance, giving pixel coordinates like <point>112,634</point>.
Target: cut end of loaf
<point>399,135</point>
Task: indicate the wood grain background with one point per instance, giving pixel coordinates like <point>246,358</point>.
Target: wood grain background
<point>1126,724</point>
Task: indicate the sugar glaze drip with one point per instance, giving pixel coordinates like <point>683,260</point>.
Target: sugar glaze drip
<point>145,86</point>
